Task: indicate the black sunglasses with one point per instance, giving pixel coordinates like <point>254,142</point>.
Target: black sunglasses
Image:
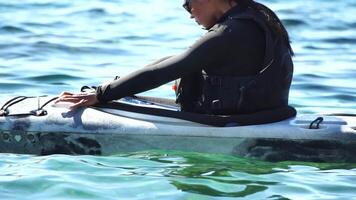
<point>187,5</point>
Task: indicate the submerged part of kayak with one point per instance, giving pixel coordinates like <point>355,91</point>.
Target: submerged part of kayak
<point>109,130</point>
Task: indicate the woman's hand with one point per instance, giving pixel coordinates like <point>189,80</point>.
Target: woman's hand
<point>78,100</point>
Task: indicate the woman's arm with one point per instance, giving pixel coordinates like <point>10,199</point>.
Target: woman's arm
<point>202,53</point>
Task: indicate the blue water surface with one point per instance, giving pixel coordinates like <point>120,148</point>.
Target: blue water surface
<point>51,46</point>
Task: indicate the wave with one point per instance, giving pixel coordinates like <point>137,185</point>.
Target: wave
<point>14,55</point>
<point>293,22</point>
<point>53,78</point>
<point>13,86</point>
<point>343,97</point>
<point>13,29</point>
<point>313,87</point>
<point>46,5</point>
<point>47,46</point>
<point>6,75</point>
<point>30,6</point>
<point>352,25</point>
<point>341,40</point>
<point>308,77</point>
<point>91,12</point>
<point>45,25</point>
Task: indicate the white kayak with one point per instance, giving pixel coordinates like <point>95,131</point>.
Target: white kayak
<point>37,126</point>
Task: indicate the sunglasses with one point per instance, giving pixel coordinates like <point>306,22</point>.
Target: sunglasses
<point>188,5</point>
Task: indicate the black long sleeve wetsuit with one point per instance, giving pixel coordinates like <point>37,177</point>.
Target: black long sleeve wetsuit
<point>233,47</point>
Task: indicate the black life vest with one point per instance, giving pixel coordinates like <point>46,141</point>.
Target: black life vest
<point>226,95</point>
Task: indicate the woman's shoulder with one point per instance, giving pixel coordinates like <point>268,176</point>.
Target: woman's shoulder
<point>242,24</point>
<point>233,26</point>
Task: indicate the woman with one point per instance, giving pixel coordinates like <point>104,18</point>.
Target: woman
<point>241,65</point>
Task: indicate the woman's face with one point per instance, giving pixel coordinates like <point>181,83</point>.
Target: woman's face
<point>203,11</point>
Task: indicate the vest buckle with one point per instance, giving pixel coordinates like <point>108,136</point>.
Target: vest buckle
<point>216,104</point>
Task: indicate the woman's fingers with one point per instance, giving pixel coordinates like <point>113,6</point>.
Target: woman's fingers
<point>68,99</point>
<point>62,96</point>
<point>78,100</point>
<point>88,100</point>
<point>81,103</point>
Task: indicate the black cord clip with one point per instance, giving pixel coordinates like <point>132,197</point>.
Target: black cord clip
<point>3,113</point>
<point>39,112</point>
<point>316,123</point>
<point>88,89</point>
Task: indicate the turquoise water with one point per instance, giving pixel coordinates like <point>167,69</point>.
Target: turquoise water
<point>50,46</point>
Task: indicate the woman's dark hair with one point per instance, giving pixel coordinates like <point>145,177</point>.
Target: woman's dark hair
<point>271,19</point>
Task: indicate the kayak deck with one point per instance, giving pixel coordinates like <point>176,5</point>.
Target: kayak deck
<point>105,131</point>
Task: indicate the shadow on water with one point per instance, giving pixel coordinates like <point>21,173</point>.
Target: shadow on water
<point>222,175</point>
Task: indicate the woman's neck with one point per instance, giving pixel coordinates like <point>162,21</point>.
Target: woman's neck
<point>222,7</point>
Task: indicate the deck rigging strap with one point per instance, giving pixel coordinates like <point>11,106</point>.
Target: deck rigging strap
<point>4,109</point>
<point>38,112</point>
<point>316,123</point>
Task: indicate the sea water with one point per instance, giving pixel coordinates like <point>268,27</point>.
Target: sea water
<point>47,47</point>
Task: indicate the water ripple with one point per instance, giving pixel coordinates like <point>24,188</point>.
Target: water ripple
<point>165,175</point>
<point>14,86</point>
<point>45,46</point>
<point>7,75</point>
<point>294,22</point>
<point>12,29</point>
<point>58,24</point>
<point>53,79</point>
<point>341,40</point>
<point>93,12</point>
